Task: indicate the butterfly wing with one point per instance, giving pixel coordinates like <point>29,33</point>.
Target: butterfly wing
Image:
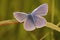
<point>41,10</point>
<point>20,16</point>
<point>39,21</point>
<point>28,25</point>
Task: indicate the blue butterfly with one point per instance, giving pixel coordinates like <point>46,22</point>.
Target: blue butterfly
<point>33,20</point>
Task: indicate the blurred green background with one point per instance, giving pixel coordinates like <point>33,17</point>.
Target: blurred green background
<point>16,31</point>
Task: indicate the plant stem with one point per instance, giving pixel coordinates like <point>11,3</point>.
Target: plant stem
<point>52,19</point>
<point>7,22</point>
<point>49,25</point>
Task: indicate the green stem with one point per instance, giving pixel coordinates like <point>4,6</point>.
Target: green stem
<point>52,20</point>
<point>52,14</point>
<point>58,24</point>
<point>44,36</point>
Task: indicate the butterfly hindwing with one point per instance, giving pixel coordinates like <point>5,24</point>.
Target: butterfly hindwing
<point>28,25</point>
<point>39,21</point>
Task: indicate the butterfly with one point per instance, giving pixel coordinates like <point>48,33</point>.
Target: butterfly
<point>33,20</point>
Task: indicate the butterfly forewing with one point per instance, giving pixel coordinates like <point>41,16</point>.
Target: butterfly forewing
<point>20,16</point>
<point>41,10</point>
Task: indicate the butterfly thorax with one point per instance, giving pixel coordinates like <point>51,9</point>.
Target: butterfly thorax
<point>30,17</point>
